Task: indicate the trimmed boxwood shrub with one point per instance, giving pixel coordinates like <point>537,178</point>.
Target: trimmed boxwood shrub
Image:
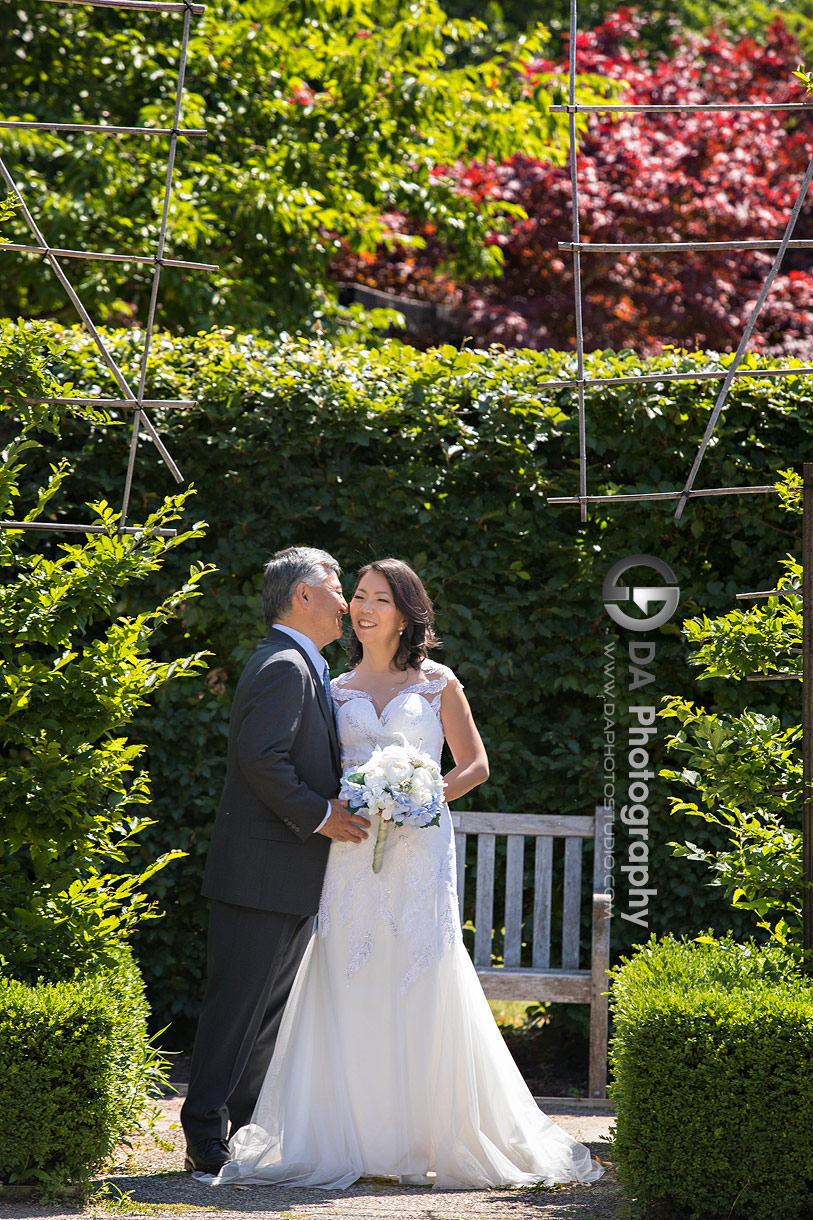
<point>714,1081</point>
<point>76,1071</point>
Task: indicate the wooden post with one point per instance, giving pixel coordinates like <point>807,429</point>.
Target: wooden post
<point>600,955</point>
<point>807,713</point>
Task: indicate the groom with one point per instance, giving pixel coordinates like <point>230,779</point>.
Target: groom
<point>269,847</point>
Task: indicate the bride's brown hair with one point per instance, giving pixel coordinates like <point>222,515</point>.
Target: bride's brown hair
<point>411,600</point>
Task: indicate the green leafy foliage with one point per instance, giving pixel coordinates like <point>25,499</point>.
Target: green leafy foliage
<point>447,459</point>
<point>74,672</point>
<point>321,119</point>
<point>76,1072</point>
<point>747,768</point>
<point>7,209</point>
<point>713,1082</point>
<point>668,25</point>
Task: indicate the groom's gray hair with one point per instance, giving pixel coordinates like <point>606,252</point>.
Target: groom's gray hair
<point>285,570</point>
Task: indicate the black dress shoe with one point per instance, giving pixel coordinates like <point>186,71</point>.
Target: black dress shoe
<point>207,1157</point>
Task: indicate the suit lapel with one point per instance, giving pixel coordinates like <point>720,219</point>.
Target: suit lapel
<point>321,695</point>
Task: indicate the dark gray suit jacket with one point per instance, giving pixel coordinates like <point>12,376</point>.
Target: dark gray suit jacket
<point>283,765</point>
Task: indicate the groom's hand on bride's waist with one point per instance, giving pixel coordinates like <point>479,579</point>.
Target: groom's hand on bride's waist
<point>344,826</point>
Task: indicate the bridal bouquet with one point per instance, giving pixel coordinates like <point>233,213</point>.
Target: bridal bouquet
<point>401,785</point>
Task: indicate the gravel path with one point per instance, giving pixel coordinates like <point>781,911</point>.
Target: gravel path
<point>147,1180</point>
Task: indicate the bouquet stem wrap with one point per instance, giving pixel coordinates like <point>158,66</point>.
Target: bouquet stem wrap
<point>380,844</point>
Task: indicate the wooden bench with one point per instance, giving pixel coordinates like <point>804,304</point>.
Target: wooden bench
<point>539,982</point>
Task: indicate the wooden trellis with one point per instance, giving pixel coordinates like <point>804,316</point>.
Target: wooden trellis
<point>133,399</point>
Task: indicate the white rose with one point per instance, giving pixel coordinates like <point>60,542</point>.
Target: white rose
<point>387,808</point>
<point>375,777</point>
<point>397,770</point>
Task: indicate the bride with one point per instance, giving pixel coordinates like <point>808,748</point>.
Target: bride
<point>388,1060</point>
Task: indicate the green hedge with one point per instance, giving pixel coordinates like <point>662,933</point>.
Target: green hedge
<point>714,1082</point>
<point>76,1070</point>
<point>445,458</point>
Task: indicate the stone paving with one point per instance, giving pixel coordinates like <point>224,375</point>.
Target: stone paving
<point>147,1181</point>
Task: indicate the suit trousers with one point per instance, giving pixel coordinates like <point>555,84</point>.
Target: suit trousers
<point>253,957</point>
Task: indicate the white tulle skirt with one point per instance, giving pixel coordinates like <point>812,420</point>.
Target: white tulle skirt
<point>370,1078</point>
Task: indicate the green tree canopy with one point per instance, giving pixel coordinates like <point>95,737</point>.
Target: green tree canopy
<point>321,118</point>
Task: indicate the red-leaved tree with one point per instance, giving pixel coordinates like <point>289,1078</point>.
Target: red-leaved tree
<point>645,178</point>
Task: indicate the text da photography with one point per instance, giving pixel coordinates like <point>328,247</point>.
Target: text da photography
<point>637,609</point>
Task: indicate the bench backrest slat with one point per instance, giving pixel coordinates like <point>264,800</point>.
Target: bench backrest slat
<point>484,900</point>
<point>514,873</point>
<point>571,904</point>
<point>543,870</point>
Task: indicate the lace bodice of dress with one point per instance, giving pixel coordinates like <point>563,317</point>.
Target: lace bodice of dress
<point>414,714</point>
<point>414,895</point>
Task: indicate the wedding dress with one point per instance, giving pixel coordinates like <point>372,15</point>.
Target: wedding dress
<point>388,1060</point>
